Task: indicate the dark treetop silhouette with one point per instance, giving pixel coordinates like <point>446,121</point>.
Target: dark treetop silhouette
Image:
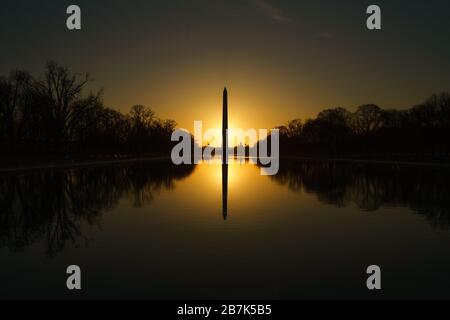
<point>419,133</point>
<point>52,116</point>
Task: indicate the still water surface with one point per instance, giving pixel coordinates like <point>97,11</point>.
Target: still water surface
<point>156,231</point>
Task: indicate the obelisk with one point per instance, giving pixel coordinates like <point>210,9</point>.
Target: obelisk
<point>225,156</point>
<point>225,127</point>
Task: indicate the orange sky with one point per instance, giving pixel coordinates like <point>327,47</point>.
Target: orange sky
<point>279,59</point>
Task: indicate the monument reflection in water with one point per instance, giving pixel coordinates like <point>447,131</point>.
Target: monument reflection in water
<point>225,190</point>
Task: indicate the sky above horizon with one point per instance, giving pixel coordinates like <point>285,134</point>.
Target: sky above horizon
<point>279,59</point>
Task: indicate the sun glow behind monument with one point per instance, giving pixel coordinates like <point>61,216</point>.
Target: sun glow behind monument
<point>191,150</point>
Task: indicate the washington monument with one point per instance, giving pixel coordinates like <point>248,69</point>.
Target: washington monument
<point>225,127</point>
<point>225,156</point>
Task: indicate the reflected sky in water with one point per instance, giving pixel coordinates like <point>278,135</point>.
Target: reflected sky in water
<point>153,230</point>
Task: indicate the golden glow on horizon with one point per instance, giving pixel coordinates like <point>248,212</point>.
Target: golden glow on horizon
<point>239,119</point>
<point>234,173</point>
<point>256,106</point>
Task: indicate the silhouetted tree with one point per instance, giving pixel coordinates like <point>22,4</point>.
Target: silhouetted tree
<point>294,128</point>
<point>419,133</point>
<point>71,112</point>
<point>15,99</point>
<point>367,119</point>
<point>54,116</point>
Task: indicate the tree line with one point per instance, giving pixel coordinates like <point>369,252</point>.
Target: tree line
<point>54,115</point>
<point>372,132</point>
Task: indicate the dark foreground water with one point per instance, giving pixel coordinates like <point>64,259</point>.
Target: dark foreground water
<point>157,231</point>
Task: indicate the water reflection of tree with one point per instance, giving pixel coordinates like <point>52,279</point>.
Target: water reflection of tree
<point>53,206</point>
<point>424,190</point>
